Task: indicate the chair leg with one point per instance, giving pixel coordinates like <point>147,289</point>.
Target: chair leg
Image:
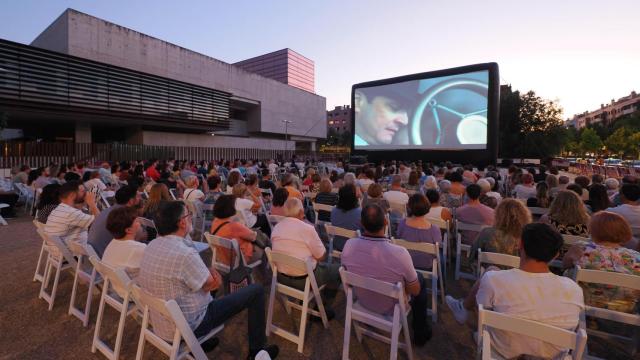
<point>347,333</point>
<point>74,289</point>
<point>303,322</point>
<point>37,276</point>
<point>434,298</point>
<point>358,329</point>
<point>3,221</point>
<point>407,337</point>
<point>87,306</point>
<point>56,279</point>
<point>123,318</point>
<point>46,277</point>
<point>395,334</point>
<point>143,328</point>
<point>272,298</point>
<point>96,333</point>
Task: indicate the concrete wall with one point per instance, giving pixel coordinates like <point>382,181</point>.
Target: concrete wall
<point>99,40</point>
<point>205,140</point>
<point>55,36</point>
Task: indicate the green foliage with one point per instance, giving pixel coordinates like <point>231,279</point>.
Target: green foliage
<point>590,141</point>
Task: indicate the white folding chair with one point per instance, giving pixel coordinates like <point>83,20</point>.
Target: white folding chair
<point>170,310</point>
<point>27,193</point>
<point>197,218</point>
<point>566,339</point>
<point>2,220</point>
<point>172,192</point>
<point>359,315</point>
<point>321,207</point>
<point>460,247</point>
<point>115,293</point>
<point>537,212</point>
<point>333,231</point>
<point>83,253</point>
<point>38,276</point>
<point>613,279</point>
<point>105,201</point>
<point>57,254</point>
<point>445,228</point>
<point>231,245</point>
<point>492,258</point>
<point>310,294</point>
<point>434,275</point>
<point>147,223</point>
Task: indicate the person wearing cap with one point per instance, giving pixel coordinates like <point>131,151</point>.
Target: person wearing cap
<point>380,114</point>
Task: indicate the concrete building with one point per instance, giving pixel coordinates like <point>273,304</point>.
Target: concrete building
<point>608,113</point>
<point>286,66</point>
<point>100,82</point>
<point>339,118</point>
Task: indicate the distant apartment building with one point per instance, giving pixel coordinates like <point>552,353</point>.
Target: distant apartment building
<point>285,66</point>
<point>608,113</point>
<point>339,119</point>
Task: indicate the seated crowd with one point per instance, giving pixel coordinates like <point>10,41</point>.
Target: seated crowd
<point>392,200</point>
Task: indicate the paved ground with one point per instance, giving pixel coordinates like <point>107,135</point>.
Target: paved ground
<point>29,331</point>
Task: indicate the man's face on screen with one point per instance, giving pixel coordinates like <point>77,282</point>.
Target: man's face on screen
<point>380,119</point>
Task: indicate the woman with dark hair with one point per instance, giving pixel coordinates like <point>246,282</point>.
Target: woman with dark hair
<point>414,181</point>
<point>223,211</point>
<point>234,178</point>
<point>346,214</point>
<point>598,198</point>
<point>374,197</point>
<point>416,228</point>
<point>47,202</point>
<point>279,198</point>
<point>437,211</point>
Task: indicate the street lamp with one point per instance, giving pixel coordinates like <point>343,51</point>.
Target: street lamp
<point>286,133</point>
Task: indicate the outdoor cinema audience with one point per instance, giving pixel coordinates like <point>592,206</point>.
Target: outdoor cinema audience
<point>172,269</point>
<point>124,250</point>
<point>529,292</point>
<point>417,228</point>
<point>373,255</point>
<point>474,212</point>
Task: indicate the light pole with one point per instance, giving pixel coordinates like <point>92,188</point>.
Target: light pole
<point>286,133</point>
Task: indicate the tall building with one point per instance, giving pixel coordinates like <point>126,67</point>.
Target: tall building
<point>608,113</point>
<point>286,66</point>
<point>85,79</point>
<point>339,118</point>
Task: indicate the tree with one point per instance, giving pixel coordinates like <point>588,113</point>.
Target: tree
<point>590,141</point>
<point>619,141</point>
<point>634,145</point>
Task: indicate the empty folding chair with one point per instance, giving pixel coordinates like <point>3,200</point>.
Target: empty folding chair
<point>612,280</point>
<point>116,294</point>
<point>170,311</point>
<point>434,275</point>
<point>86,273</point>
<point>358,315</point>
<point>332,232</point>
<point>575,341</point>
<point>310,294</point>
<point>492,258</point>
<point>460,247</point>
<point>57,254</point>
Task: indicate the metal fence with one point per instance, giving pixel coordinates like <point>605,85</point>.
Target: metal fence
<point>36,154</point>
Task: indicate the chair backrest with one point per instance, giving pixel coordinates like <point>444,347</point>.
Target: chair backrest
<point>117,277</point>
<point>425,247</point>
<point>573,240</point>
<point>559,337</point>
<point>398,208</point>
<point>172,192</point>
<point>55,241</point>
<point>350,280</point>
<point>338,231</point>
<point>79,249</point>
<point>493,258</point>
<point>170,310</point>
<point>229,244</point>
<point>538,211</point>
<point>608,278</point>
<point>277,258</point>
<point>461,226</point>
<point>442,224</point>
<point>322,207</point>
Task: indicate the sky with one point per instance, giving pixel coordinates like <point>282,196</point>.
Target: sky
<point>580,53</point>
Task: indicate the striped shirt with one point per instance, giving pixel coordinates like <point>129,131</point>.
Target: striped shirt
<point>69,223</point>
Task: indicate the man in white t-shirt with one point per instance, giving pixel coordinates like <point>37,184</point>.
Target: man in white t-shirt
<point>395,194</point>
<point>530,292</point>
<point>124,251</point>
<point>630,208</point>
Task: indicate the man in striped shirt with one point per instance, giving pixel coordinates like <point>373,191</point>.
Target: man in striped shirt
<point>66,220</point>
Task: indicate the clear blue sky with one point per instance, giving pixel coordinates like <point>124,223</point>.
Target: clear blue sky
<point>581,53</point>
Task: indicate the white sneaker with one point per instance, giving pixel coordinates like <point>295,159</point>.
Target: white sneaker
<point>456,306</point>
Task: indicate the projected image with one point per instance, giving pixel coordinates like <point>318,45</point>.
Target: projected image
<point>448,112</point>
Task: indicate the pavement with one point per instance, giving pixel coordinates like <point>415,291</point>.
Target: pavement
<point>29,331</point>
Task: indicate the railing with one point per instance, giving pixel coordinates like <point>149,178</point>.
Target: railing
<point>36,154</point>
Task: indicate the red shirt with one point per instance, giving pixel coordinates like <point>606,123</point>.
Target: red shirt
<point>153,173</point>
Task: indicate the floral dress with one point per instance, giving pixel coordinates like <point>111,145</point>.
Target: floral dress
<point>620,260</point>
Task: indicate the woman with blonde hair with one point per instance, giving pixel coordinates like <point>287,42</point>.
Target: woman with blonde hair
<point>158,193</point>
<point>504,236</point>
<point>568,214</point>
